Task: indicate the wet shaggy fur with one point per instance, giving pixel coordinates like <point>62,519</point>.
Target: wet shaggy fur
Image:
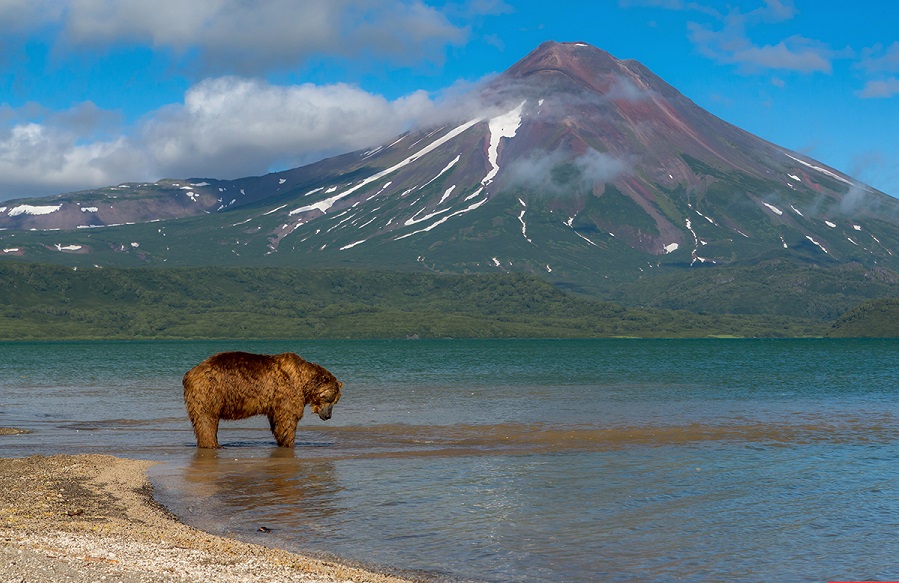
<point>237,385</point>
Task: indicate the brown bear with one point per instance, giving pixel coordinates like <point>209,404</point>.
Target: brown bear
<point>237,385</point>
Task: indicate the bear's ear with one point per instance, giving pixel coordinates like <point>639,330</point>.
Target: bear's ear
<point>339,385</point>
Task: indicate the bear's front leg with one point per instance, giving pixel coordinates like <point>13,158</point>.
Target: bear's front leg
<point>284,428</point>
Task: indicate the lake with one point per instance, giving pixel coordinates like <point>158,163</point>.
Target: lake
<point>515,460</point>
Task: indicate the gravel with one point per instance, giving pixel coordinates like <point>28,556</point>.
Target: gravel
<point>88,518</point>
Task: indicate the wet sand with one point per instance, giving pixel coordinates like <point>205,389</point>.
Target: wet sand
<point>93,518</point>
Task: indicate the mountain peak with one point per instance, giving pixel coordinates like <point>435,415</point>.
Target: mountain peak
<point>574,59</point>
<point>557,64</point>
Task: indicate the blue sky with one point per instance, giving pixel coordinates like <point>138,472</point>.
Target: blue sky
<point>98,92</point>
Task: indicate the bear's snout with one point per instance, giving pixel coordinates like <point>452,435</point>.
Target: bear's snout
<point>324,411</point>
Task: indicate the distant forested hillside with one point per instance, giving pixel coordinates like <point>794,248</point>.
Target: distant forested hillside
<point>873,319</point>
<point>52,302</point>
<point>777,286</point>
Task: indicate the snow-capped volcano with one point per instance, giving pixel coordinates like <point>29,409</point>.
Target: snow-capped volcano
<point>572,163</point>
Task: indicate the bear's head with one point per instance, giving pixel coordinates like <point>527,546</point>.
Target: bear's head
<point>325,395</point>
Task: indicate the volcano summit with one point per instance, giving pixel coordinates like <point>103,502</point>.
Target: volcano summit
<point>586,169</point>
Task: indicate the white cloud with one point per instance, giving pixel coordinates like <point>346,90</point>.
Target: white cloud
<point>229,126</point>
<point>226,127</point>
<point>37,159</point>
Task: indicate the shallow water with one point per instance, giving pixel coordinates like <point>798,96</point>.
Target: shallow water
<point>612,460</point>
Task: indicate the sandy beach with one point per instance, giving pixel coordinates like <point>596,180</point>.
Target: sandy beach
<point>93,518</point>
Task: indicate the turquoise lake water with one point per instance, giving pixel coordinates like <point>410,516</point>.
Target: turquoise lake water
<point>529,460</point>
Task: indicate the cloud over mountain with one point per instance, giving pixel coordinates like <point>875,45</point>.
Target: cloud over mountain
<point>236,126</point>
<point>225,127</point>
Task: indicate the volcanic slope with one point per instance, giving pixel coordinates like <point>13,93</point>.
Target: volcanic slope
<point>586,169</point>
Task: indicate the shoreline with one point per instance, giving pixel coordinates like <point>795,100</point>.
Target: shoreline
<point>92,517</point>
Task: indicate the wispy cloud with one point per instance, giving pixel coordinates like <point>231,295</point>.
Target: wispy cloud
<point>671,5</point>
<point>724,37</point>
<point>878,59</point>
<point>731,46</point>
<point>727,36</point>
<point>880,88</point>
<point>882,64</point>
<point>549,172</point>
<point>235,36</point>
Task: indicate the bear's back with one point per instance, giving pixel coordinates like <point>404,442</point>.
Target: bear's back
<point>237,360</point>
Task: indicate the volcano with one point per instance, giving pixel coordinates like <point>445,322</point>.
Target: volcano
<point>588,170</point>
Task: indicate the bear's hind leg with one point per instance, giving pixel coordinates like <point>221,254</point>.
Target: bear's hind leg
<point>206,429</point>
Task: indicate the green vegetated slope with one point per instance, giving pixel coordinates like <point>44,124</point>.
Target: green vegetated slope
<point>872,319</point>
<point>53,302</point>
<point>776,286</point>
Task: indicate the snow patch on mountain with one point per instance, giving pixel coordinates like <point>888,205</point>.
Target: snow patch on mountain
<point>274,210</point>
<point>524,225</point>
<point>351,245</point>
<point>820,246</point>
<point>442,172</point>
<point>822,170</point>
<point>570,224</point>
<point>414,220</point>
<point>446,194</point>
<point>709,219</point>
<point>773,208</point>
<point>324,205</point>
<point>27,209</point>
<point>501,126</point>
<point>444,219</point>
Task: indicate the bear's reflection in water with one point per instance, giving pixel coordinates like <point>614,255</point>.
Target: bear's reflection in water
<point>274,491</point>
